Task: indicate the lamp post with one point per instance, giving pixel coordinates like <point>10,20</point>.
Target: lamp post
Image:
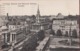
<point>70,35</point>
<point>12,47</point>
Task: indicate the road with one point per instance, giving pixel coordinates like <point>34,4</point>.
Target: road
<point>19,45</point>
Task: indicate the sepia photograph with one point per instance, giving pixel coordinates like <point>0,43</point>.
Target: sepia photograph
<point>39,25</point>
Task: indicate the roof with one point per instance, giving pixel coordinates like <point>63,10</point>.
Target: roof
<point>4,27</point>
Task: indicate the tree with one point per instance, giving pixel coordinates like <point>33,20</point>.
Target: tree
<point>66,33</point>
<point>74,33</point>
<point>30,44</point>
<point>41,35</point>
<point>33,18</point>
<point>59,33</point>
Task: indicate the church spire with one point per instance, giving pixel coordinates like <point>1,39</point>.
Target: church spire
<point>38,15</point>
<point>38,12</point>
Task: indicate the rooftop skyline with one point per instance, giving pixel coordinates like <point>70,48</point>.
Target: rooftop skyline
<point>49,7</point>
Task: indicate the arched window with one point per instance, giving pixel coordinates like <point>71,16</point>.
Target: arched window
<point>66,33</point>
<point>74,33</point>
<point>59,33</point>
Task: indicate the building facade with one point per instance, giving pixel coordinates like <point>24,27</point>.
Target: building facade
<point>42,22</point>
<point>65,25</point>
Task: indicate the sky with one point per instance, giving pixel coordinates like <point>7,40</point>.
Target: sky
<point>46,7</point>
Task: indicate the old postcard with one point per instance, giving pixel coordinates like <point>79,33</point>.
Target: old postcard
<point>39,25</point>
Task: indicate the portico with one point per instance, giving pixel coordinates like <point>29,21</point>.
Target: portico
<point>9,37</point>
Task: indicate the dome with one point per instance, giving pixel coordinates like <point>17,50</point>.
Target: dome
<point>60,15</point>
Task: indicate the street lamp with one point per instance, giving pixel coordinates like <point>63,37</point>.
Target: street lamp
<point>70,35</point>
<point>12,47</point>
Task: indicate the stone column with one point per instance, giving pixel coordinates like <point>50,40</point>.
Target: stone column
<point>10,38</point>
<point>5,37</point>
<point>15,38</point>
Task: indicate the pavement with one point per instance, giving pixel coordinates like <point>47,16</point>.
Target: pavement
<point>54,42</point>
